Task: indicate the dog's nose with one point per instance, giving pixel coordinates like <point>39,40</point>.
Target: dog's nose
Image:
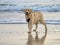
<point>26,13</point>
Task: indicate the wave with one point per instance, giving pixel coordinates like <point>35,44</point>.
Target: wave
<point>37,7</point>
<point>24,22</point>
<point>7,5</point>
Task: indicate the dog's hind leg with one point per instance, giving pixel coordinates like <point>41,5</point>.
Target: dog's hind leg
<point>36,27</point>
<point>43,22</point>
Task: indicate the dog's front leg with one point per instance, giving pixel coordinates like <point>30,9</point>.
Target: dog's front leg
<point>30,28</point>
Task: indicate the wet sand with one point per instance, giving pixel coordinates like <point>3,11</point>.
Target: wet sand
<point>16,34</point>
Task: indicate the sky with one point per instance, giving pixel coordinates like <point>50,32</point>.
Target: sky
<point>28,1</point>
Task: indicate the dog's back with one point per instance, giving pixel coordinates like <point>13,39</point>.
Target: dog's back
<point>36,17</point>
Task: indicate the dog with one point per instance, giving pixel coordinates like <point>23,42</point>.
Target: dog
<point>32,18</point>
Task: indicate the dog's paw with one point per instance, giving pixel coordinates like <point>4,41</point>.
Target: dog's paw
<point>34,30</point>
<point>29,32</point>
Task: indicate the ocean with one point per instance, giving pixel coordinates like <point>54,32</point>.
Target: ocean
<point>35,7</point>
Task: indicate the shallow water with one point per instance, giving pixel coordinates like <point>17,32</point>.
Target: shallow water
<point>16,34</point>
<point>19,17</point>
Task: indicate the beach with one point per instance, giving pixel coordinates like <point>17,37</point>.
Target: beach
<point>16,34</point>
<point>14,28</point>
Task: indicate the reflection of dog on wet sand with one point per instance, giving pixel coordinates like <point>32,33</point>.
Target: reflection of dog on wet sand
<point>36,40</point>
<point>34,18</point>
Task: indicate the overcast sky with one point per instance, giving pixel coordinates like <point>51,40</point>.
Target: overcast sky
<point>29,1</point>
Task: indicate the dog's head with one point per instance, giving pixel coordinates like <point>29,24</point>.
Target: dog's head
<point>27,11</point>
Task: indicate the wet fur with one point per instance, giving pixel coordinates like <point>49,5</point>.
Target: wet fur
<point>33,18</point>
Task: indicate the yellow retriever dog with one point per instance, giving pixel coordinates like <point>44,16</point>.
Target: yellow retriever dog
<point>33,18</point>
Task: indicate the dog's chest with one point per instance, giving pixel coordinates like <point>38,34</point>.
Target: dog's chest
<point>28,20</point>
<point>32,18</point>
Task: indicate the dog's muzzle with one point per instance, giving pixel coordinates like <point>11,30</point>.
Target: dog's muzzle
<point>27,13</point>
<point>28,19</point>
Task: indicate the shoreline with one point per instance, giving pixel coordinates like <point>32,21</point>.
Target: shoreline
<point>27,23</point>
